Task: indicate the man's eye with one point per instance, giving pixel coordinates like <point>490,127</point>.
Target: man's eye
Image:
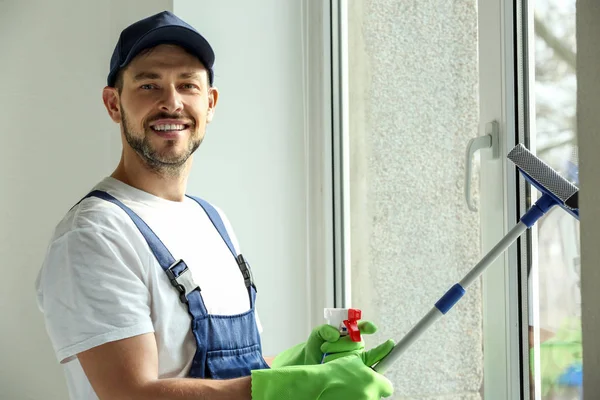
<point>189,86</point>
<point>147,86</point>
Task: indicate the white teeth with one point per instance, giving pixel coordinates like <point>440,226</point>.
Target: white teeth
<point>169,127</point>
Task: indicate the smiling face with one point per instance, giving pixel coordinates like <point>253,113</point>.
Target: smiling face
<point>163,102</point>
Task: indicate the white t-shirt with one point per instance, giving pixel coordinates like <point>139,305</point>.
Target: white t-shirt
<point>100,282</point>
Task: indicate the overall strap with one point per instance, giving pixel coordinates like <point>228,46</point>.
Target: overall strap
<point>160,251</point>
<point>177,271</point>
<point>215,218</point>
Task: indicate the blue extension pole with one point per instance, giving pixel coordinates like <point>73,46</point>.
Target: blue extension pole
<point>456,292</point>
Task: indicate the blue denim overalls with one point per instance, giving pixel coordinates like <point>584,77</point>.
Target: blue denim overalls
<point>228,346</point>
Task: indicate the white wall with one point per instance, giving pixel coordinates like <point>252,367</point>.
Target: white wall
<point>57,141</point>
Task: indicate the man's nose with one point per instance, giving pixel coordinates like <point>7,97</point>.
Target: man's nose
<point>171,100</point>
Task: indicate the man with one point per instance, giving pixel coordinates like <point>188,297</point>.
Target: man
<point>144,291</point>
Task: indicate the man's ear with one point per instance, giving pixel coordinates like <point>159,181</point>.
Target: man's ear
<point>213,97</point>
<point>110,97</point>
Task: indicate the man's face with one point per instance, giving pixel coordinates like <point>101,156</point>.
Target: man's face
<point>164,106</point>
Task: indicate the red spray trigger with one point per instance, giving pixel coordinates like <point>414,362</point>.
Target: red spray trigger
<point>351,324</point>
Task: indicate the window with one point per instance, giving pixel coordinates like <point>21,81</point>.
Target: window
<point>555,311</point>
<point>422,80</point>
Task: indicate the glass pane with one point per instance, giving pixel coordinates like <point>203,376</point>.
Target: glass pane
<point>413,84</point>
<point>555,282</point>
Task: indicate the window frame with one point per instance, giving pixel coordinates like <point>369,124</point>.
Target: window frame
<point>325,44</point>
<point>341,154</point>
<point>501,72</point>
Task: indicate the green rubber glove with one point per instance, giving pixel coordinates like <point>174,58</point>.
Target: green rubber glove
<point>370,357</point>
<point>347,377</point>
<point>310,352</point>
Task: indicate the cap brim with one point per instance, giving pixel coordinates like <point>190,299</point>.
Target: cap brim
<point>190,40</point>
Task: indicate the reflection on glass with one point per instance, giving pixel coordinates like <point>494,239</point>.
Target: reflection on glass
<point>557,286</point>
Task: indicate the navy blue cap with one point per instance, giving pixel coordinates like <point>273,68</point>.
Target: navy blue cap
<point>161,28</point>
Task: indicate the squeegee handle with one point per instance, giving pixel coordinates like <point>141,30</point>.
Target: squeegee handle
<point>448,300</point>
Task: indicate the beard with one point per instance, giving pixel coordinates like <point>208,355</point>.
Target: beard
<point>165,161</point>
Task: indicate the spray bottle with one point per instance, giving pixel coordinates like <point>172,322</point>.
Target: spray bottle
<point>346,320</point>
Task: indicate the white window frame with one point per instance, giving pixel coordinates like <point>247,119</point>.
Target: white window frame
<point>503,336</point>
<point>327,155</point>
<point>502,43</point>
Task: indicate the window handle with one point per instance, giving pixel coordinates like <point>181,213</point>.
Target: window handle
<point>489,140</point>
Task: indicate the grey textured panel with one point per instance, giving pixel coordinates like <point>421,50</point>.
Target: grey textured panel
<point>413,108</point>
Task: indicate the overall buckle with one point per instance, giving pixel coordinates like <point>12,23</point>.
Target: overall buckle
<point>246,271</point>
<point>184,283</point>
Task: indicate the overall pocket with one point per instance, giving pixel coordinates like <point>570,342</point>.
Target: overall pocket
<point>228,364</point>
